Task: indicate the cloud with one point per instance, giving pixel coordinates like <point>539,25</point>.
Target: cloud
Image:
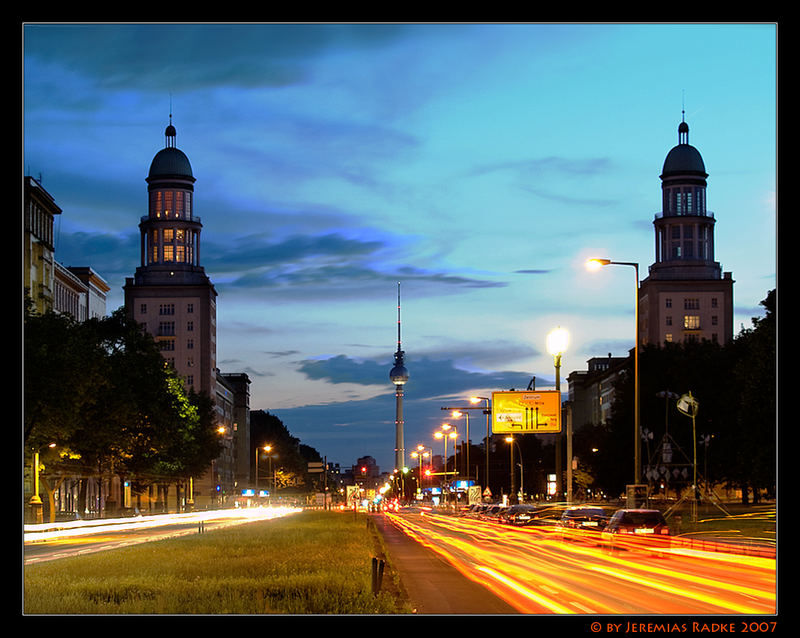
<point>428,377</point>
<point>243,55</point>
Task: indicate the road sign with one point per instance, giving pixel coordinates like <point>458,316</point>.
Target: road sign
<point>688,405</point>
<point>529,412</point>
<point>314,467</point>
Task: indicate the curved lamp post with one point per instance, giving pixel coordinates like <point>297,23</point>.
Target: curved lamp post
<point>595,264</point>
<point>445,434</point>
<point>487,411</point>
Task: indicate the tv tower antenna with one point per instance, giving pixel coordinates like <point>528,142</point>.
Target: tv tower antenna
<point>399,376</point>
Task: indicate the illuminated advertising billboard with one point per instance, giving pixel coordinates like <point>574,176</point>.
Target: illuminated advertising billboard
<point>530,412</point>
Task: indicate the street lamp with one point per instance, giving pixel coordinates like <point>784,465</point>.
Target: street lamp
<point>266,448</point>
<point>36,501</point>
<point>557,342</point>
<point>512,442</point>
<point>419,455</point>
<point>456,414</point>
<point>487,411</point>
<point>595,264</point>
<point>445,434</point>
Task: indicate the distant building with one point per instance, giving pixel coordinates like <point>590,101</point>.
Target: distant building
<point>591,391</point>
<point>237,412</point>
<point>686,295</point>
<point>78,291</point>
<point>39,212</point>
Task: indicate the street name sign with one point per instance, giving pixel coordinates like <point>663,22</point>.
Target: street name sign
<point>529,412</point>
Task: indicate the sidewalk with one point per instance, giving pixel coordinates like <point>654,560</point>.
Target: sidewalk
<point>433,585</point>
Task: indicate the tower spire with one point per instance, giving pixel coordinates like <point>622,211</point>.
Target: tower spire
<point>399,349</point>
<point>170,132</point>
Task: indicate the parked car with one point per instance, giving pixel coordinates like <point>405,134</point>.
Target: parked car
<point>492,513</point>
<point>637,529</point>
<point>577,519</point>
<point>518,514</point>
<point>474,510</point>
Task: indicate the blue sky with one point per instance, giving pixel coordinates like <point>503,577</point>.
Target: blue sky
<point>478,165</point>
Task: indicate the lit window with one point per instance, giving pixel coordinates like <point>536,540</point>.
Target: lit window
<point>691,322</point>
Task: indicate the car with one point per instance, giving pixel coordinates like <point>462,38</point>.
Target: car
<point>492,513</point>
<point>519,514</point>
<point>473,510</point>
<point>577,519</point>
<point>637,529</point>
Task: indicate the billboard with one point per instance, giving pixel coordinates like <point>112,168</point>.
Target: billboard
<point>529,412</point>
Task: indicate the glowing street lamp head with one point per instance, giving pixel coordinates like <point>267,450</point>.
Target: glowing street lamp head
<point>557,341</point>
<point>596,264</point>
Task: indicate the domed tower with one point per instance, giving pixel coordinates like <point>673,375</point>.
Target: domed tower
<point>684,228</point>
<point>170,293</point>
<point>685,296</point>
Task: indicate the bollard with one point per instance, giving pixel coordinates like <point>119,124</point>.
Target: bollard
<point>377,575</point>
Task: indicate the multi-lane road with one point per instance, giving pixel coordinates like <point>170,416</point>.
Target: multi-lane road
<point>52,541</point>
<point>533,569</point>
<point>536,571</point>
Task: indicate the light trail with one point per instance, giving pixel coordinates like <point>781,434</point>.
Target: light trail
<point>71,529</point>
<point>536,571</point>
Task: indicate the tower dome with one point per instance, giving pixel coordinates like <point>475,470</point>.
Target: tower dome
<point>684,158</point>
<point>170,161</point>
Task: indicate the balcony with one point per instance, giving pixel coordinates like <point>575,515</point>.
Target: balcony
<point>662,214</point>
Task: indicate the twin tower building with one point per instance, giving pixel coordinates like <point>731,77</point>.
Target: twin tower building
<point>685,296</point>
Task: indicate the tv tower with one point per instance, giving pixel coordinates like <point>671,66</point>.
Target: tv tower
<point>398,376</point>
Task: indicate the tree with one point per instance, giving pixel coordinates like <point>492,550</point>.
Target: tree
<point>751,448</point>
<point>103,393</point>
<point>736,391</point>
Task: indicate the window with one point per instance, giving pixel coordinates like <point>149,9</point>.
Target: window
<point>143,309</point>
<point>668,320</point>
<point>189,326</point>
<point>166,328</point>
<point>691,303</point>
<point>668,337</point>
<point>691,322</point>
<point>190,308</point>
<point>714,320</point>
<point>713,302</point>
<point>668,303</point>
<point>166,344</point>
<point>190,344</point>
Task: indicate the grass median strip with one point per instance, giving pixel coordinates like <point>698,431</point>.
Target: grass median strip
<point>312,562</point>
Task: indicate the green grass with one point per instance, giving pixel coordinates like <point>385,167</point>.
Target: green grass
<point>743,522</point>
<point>313,562</point>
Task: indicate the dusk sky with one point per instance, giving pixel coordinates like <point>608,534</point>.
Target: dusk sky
<point>479,165</point>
